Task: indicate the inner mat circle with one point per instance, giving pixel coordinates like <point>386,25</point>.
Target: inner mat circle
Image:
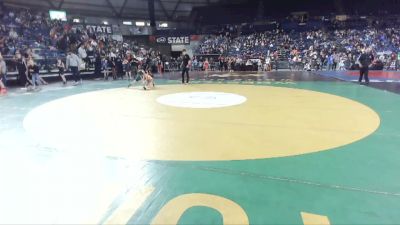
<point>273,122</point>
<point>201,99</point>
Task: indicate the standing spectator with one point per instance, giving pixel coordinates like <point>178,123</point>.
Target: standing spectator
<point>365,60</point>
<point>73,62</point>
<point>232,65</point>
<point>225,64</point>
<point>119,67</point>
<point>113,65</point>
<point>221,63</point>
<point>342,64</point>
<point>22,67</point>
<point>336,60</point>
<point>104,67</point>
<point>33,70</point>
<point>276,58</point>
<point>195,64</point>
<point>159,65</point>
<point>83,55</point>
<point>127,68</point>
<point>97,65</point>
<point>134,65</point>
<point>61,69</point>
<point>267,65</point>
<point>206,66</point>
<point>3,71</point>
<point>185,66</point>
<point>330,62</point>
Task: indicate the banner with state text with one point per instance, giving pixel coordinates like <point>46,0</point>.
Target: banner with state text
<point>171,40</point>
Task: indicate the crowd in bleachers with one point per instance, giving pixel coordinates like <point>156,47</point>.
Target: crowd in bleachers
<point>30,42</point>
<point>319,49</point>
<point>25,31</point>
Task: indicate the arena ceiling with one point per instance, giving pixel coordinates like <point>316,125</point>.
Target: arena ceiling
<point>125,9</point>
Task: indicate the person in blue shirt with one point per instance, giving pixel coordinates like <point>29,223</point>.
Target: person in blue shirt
<point>331,60</point>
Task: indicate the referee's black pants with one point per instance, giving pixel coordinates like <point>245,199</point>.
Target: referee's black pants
<point>364,73</point>
<point>185,70</point>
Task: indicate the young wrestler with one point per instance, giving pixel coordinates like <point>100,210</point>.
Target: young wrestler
<point>147,79</point>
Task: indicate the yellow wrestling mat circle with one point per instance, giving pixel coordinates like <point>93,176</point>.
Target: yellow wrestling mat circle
<point>262,122</point>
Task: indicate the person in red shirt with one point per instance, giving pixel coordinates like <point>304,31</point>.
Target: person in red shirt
<point>206,66</point>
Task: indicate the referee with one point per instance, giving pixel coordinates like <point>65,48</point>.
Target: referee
<point>185,66</point>
<point>365,60</point>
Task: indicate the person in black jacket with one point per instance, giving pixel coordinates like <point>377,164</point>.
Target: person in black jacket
<point>119,67</point>
<point>365,60</point>
<point>22,67</point>
<point>97,65</point>
<point>185,66</point>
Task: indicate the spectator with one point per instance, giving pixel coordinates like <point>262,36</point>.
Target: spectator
<point>73,62</point>
<point>318,49</point>
<point>61,69</point>
<point>127,67</point>
<point>22,68</point>
<point>206,66</point>
<point>3,79</point>
<point>33,70</point>
<point>83,55</point>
